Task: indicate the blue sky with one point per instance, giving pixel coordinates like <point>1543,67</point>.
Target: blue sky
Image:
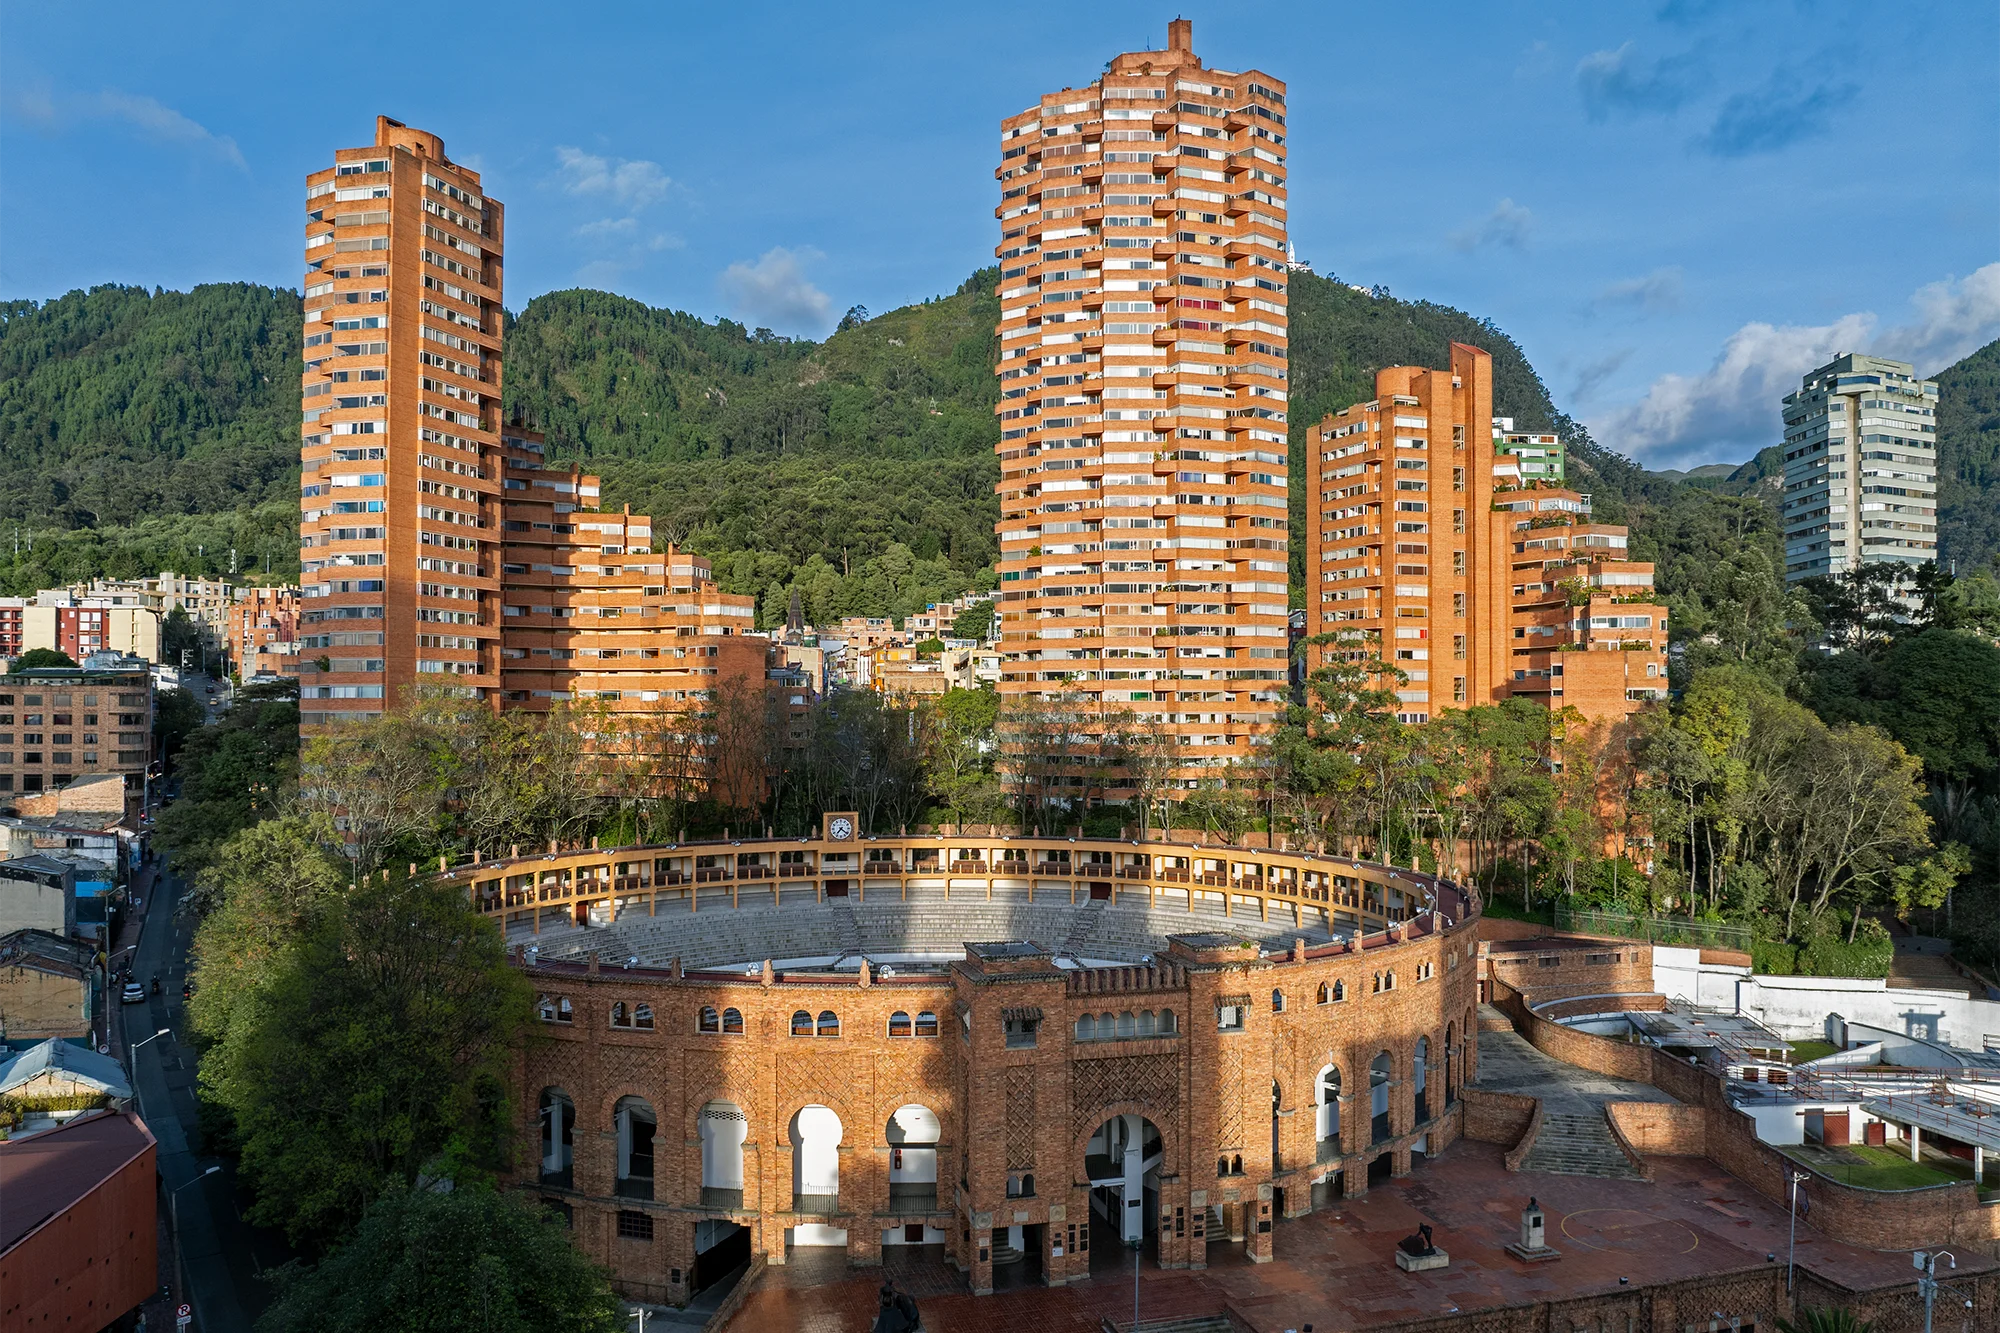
<point>1675,206</point>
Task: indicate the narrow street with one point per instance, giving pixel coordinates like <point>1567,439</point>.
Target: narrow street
<point>222,1256</point>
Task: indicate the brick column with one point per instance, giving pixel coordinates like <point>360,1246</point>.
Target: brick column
<point>1258,1224</point>
<point>979,1271</point>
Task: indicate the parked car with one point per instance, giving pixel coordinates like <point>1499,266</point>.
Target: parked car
<point>133,993</point>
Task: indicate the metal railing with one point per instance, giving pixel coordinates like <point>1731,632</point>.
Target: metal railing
<point>1681,930</point>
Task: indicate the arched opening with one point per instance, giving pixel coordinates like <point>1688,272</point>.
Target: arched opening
<point>642,1017</point>
<point>723,1128</point>
<point>1277,1126</point>
<point>1086,1027</point>
<point>816,1135</point>
<point>802,1023</point>
<point>732,1022</point>
<point>1378,1098</point>
<point>709,1021</point>
<point>899,1023</point>
<point>1122,1162</point>
<point>1450,1054</point>
<point>618,1019</point>
<point>558,1114</point>
<point>829,1023</point>
<point>927,1024</point>
<point>1326,1114</point>
<point>912,1136</point>
<point>637,1128</point>
<point>1419,1079</point>
<point>1277,1001</point>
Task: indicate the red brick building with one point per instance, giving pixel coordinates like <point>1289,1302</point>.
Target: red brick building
<point>1168,1041</point>
<point>79,1242</point>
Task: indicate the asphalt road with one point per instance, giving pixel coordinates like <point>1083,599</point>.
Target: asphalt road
<point>222,1257</point>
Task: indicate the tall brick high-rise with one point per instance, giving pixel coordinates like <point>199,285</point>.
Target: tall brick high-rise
<point>1142,378</point>
<point>432,544</point>
<point>401,395</point>
<point>1427,545</point>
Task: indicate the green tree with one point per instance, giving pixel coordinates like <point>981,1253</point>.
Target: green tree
<point>177,714</point>
<point>36,659</point>
<point>448,1261</point>
<point>180,639</point>
<point>1825,1320</point>
<point>374,1055</point>
<point>974,622</point>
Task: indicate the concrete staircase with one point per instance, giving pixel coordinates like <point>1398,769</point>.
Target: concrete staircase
<point>1204,1323</point>
<point>1578,1145</point>
<point>844,930</point>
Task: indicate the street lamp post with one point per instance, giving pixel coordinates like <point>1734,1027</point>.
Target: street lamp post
<point>1791,1254</point>
<point>174,1217</point>
<point>1138,1243</point>
<point>163,1032</point>
<point>1927,1283</point>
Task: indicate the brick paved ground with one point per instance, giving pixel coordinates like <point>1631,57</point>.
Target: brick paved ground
<point>1335,1269</point>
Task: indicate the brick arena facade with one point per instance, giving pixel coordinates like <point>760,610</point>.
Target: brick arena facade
<point>1221,1036</point>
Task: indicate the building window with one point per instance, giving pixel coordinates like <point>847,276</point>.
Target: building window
<point>1277,1001</point>
<point>1020,1030</point>
<point>1229,1017</point>
<point>1458,689</point>
<point>802,1023</point>
<point>899,1024</point>
<point>1458,603</point>
<point>829,1023</point>
<point>635,1226</point>
<point>555,1009</point>
<point>710,1021</point>
<point>927,1024</point>
<point>618,1016</point>
<point>732,1022</point>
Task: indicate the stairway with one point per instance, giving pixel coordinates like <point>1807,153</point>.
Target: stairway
<point>1578,1145</point>
<point>1083,928</point>
<point>1004,1255</point>
<point>846,931</point>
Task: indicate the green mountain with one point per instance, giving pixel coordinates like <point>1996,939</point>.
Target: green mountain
<point>145,430</point>
<point>142,431</point>
<point>1969,459</point>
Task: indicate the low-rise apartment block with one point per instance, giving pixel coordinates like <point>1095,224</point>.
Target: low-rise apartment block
<point>263,632</point>
<point>61,723</point>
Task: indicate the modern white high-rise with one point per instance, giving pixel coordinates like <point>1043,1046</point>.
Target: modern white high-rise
<point>1860,468</point>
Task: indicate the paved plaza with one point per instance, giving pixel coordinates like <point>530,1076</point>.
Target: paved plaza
<point>1335,1270</point>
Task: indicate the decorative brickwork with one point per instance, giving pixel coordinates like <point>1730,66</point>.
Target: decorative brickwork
<point>1020,1120</point>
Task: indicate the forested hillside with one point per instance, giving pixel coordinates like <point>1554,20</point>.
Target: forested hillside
<point>146,430</point>
<point>142,430</point>
<point>1969,459</point>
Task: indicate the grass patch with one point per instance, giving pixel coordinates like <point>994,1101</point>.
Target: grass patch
<point>1803,1051</point>
<point>1875,1168</point>
<point>1513,911</point>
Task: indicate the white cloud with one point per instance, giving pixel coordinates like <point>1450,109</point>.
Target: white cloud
<point>609,227</point>
<point>1733,408</point>
<point>52,113</point>
<point>1508,224</point>
<point>774,292</point>
<point>634,183</point>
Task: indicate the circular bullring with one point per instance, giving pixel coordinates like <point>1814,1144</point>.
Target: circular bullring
<point>998,1046</point>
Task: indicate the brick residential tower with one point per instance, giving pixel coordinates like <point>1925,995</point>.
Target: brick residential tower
<point>1427,544</point>
<point>1142,375</point>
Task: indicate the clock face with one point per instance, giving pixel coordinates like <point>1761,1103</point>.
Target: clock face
<point>841,829</point>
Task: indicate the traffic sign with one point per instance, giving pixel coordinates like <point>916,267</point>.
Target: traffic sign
<point>185,1312</point>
